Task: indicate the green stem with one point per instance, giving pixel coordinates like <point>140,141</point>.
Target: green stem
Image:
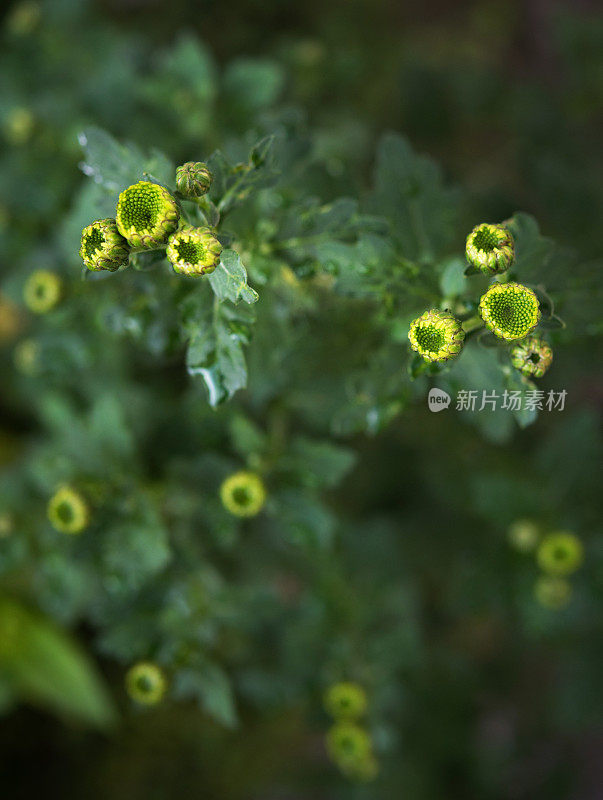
<point>472,324</point>
<point>223,204</point>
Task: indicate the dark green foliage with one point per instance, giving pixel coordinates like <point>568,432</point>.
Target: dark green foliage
<point>381,553</point>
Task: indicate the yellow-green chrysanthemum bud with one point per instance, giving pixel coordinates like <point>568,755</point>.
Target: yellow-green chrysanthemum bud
<point>68,511</point>
<point>146,683</point>
<point>10,319</point>
<point>193,179</point>
<point>366,769</point>
<point>103,246</point>
<point>348,744</point>
<point>23,18</point>
<point>560,553</point>
<point>42,291</point>
<point>6,525</point>
<point>552,593</point>
<point>243,494</point>
<point>345,700</point>
<point>523,535</point>
<point>19,125</point>
<point>194,251</point>
<point>532,357</point>
<point>436,335</point>
<point>26,356</point>
<point>490,248</point>
<point>510,310</point>
<point>146,214</point>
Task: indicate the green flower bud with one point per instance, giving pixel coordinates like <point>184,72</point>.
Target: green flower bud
<point>19,125</point>
<point>523,535</point>
<point>436,335</point>
<point>6,525</point>
<point>193,179</point>
<point>345,700</point>
<point>26,356</point>
<point>490,248</point>
<point>68,511</point>
<point>348,744</point>
<point>42,291</point>
<point>560,553</point>
<point>364,770</point>
<point>23,18</point>
<point>510,310</point>
<point>532,357</point>
<point>146,683</point>
<point>194,251</point>
<point>146,215</point>
<point>10,319</point>
<point>243,494</point>
<point>103,247</point>
<point>552,593</point>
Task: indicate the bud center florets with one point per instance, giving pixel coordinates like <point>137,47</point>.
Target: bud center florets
<point>191,252</point>
<point>430,338</point>
<point>93,242</point>
<point>241,496</point>
<point>141,211</point>
<point>64,512</point>
<point>486,239</point>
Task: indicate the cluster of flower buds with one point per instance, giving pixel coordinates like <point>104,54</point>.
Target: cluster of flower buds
<point>558,555</point>
<point>348,743</point>
<point>510,310</point>
<point>148,217</point>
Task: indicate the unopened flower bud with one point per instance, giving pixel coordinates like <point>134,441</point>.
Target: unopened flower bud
<point>490,248</point>
<point>194,251</point>
<point>68,511</point>
<point>436,335</point>
<point>193,179</point>
<point>532,357</point>
<point>510,310</point>
<point>243,494</point>
<point>146,683</point>
<point>146,215</point>
<point>103,246</point>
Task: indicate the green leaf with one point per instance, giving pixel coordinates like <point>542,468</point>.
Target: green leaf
<point>247,438</point>
<point>318,463</point>
<point>417,366</point>
<point>488,340</point>
<point>42,664</point>
<point>116,166</point>
<point>215,351</point>
<point>233,183</point>
<point>303,519</point>
<point>453,281</point>
<point>229,280</point>
<point>135,551</point>
<point>259,152</point>
<point>532,250</point>
<point>211,686</point>
<point>190,64</point>
<point>552,323</point>
<point>410,192</point>
<point>252,84</point>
